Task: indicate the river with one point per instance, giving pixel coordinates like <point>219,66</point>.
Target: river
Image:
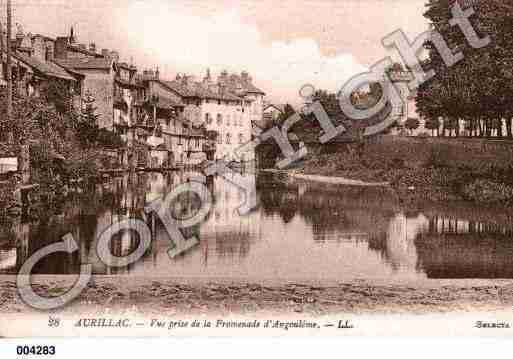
<point>298,232</point>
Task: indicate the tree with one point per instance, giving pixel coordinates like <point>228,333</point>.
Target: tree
<point>57,93</point>
<point>287,112</point>
<point>433,124</point>
<point>412,124</point>
<point>478,88</point>
<point>87,125</point>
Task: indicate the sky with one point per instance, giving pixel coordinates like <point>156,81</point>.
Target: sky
<point>283,44</point>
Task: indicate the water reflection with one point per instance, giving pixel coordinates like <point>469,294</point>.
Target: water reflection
<point>297,232</point>
<point>466,248</point>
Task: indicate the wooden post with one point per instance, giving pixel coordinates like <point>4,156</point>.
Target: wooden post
<point>10,135</point>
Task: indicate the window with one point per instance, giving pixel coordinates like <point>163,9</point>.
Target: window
<point>48,51</point>
<point>241,138</point>
<point>228,138</point>
<point>228,120</point>
<point>208,119</point>
<point>219,119</point>
<point>220,139</point>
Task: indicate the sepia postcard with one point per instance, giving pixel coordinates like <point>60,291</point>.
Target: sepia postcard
<point>301,168</point>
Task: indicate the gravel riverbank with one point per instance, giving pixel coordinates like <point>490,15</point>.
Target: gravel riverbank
<point>168,297</point>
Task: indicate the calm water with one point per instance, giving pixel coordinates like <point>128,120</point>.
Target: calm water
<point>299,232</point>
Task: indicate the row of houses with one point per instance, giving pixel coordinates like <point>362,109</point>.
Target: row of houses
<point>180,121</point>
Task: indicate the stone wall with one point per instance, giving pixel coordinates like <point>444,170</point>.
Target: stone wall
<point>100,83</point>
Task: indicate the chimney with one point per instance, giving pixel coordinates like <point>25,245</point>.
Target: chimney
<point>105,53</point>
<point>92,47</point>
<point>185,80</point>
<point>223,77</point>
<point>157,74</point>
<point>208,77</point>
<point>72,39</point>
<point>188,81</point>
<point>149,74</point>
<point>114,55</point>
<point>19,33</point>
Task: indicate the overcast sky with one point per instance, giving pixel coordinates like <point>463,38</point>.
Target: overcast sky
<point>283,44</point>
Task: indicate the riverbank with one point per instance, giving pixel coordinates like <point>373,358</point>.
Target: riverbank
<point>165,296</point>
<point>419,170</point>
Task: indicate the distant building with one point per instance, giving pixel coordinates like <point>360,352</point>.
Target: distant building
<point>228,108</point>
<point>99,73</point>
<point>225,108</point>
<point>273,111</point>
<point>181,137</point>
<point>34,67</point>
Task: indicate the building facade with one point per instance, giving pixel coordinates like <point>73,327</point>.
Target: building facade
<point>226,108</point>
<point>34,68</point>
<point>99,73</point>
<point>180,135</point>
<point>177,123</point>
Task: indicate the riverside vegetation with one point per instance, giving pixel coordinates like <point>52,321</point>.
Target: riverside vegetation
<point>425,169</point>
<point>64,146</point>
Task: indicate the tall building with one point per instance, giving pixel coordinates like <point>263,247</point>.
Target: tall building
<point>226,107</point>
<point>181,138</point>
<point>98,69</point>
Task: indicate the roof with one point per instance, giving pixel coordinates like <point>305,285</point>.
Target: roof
<point>167,103</point>
<point>250,88</point>
<point>126,83</point>
<point>178,88</point>
<point>126,66</point>
<point>198,90</point>
<point>86,63</point>
<point>44,37</point>
<point>46,68</point>
<point>240,84</point>
<point>279,107</point>
<point>85,51</point>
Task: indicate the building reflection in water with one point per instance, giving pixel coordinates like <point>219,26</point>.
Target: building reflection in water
<point>456,248</point>
<point>297,232</point>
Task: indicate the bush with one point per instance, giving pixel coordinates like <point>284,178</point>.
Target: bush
<point>412,124</point>
<point>486,191</point>
<point>439,157</point>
